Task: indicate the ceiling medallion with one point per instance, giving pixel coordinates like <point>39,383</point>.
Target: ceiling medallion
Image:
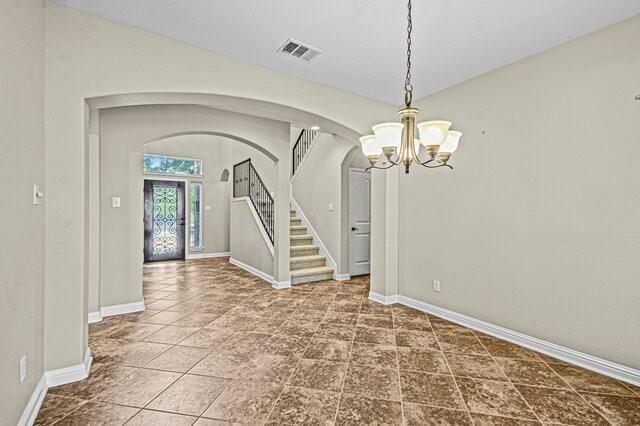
<point>397,141</point>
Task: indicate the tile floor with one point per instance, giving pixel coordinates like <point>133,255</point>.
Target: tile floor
<point>219,346</point>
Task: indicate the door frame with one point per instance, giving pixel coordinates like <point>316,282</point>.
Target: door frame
<point>187,212</point>
<point>348,219</point>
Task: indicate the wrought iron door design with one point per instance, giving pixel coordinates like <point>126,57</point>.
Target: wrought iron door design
<point>164,220</point>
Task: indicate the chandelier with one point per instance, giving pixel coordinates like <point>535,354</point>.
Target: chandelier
<point>397,141</point>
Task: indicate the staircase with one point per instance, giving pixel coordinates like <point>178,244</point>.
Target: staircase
<point>306,264</point>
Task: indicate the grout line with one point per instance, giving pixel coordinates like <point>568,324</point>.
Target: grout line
<point>346,373</point>
<point>606,418</point>
<point>446,361</point>
<point>292,371</point>
<point>393,323</point>
<point>206,297</point>
<point>510,381</point>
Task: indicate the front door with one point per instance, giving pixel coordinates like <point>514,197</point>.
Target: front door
<point>359,222</point>
<point>164,220</point>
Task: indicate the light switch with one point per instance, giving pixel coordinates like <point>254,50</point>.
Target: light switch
<point>37,194</point>
<point>330,207</point>
<point>207,208</point>
<point>115,202</point>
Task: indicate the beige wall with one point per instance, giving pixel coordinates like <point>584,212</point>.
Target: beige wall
<point>247,243</point>
<point>89,56</point>
<point>22,160</point>
<point>537,227</point>
<point>318,182</point>
<point>123,132</point>
<point>262,163</point>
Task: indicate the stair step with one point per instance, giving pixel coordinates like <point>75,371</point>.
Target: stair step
<point>308,275</point>
<point>295,221</point>
<point>304,250</point>
<point>300,240</point>
<point>298,230</point>
<point>306,262</point>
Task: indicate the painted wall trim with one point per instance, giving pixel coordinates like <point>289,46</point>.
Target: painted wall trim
<point>253,211</point>
<point>385,300</point>
<point>260,274</point>
<point>125,308</point>
<point>341,277</point>
<point>95,317</point>
<point>279,285</point>
<point>316,238</point>
<point>33,406</point>
<point>61,376</point>
<point>581,359</point>
<point>206,255</point>
<point>75,373</point>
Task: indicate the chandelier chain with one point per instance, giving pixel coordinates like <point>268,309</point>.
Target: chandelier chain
<point>408,87</point>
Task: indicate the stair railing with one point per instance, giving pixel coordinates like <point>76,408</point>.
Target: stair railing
<point>301,147</point>
<point>247,183</point>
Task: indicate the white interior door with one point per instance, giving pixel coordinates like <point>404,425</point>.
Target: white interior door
<point>359,222</point>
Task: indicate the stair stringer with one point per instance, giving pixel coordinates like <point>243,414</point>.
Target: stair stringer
<point>331,263</point>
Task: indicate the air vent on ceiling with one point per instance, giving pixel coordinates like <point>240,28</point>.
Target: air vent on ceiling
<point>299,50</point>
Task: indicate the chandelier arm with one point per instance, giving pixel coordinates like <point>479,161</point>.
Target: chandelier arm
<point>424,163</point>
<point>380,168</point>
<point>436,166</point>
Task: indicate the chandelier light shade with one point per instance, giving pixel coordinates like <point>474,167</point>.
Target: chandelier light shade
<point>451,144</point>
<point>398,142</point>
<point>433,132</point>
<point>388,135</point>
<point>370,146</point>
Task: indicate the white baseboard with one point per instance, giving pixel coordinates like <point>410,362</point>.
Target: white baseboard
<point>109,311</point>
<point>255,271</point>
<point>581,359</point>
<point>33,406</point>
<point>95,317</point>
<point>190,256</point>
<point>125,308</point>
<point>279,285</point>
<point>260,274</point>
<point>385,300</point>
<point>341,277</point>
<point>316,238</point>
<point>75,373</point>
<point>61,376</point>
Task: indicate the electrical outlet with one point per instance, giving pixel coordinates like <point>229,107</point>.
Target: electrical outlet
<point>115,202</point>
<point>436,285</point>
<point>23,368</point>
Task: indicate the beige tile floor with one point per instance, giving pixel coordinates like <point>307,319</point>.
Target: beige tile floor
<point>218,346</point>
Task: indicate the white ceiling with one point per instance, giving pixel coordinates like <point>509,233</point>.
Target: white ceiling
<point>364,40</point>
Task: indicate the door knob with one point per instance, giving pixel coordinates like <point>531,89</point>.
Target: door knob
<point>353,228</point>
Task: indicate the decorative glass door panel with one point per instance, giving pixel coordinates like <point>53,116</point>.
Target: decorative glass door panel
<point>164,220</point>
